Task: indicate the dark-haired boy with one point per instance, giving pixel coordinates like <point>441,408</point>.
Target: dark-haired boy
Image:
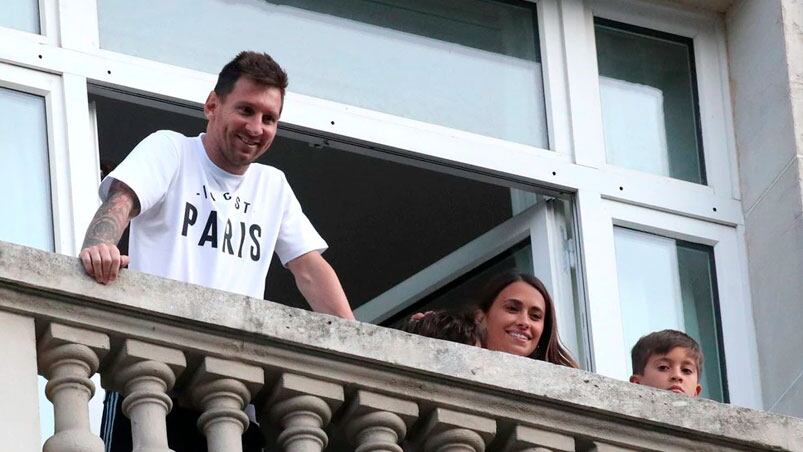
<point>670,360</point>
<point>457,327</point>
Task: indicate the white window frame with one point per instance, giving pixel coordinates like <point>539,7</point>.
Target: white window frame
<point>48,26</point>
<point>574,165</point>
<point>736,319</point>
<point>49,87</point>
<point>708,35</point>
<point>628,198</point>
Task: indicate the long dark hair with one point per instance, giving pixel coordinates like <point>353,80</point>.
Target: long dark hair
<point>549,348</point>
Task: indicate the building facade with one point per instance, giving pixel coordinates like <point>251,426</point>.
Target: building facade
<point>641,157</point>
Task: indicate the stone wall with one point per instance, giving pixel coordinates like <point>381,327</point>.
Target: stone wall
<point>146,335</point>
<point>765,50</point>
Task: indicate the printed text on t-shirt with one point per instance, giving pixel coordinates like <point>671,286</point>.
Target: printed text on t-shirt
<point>234,236</point>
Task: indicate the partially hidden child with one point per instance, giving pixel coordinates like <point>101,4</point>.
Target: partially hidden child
<point>460,327</point>
<point>669,360</point>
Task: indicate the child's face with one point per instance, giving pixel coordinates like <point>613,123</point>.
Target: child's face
<point>676,371</point>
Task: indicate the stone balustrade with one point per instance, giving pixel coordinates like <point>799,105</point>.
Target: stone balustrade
<point>317,382</point>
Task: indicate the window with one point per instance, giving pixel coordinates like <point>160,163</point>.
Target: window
<point>21,15</point>
<point>650,270</point>
<point>35,175</point>
<point>403,234</point>
<point>649,101</point>
<point>400,234</point>
<point>381,96</point>
<point>670,284</point>
<point>24,165</point>
<point>474,67</point>
<point>538,239</point>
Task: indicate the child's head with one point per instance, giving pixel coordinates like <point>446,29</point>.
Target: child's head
<point>670,360</point>
<point>450,326</point>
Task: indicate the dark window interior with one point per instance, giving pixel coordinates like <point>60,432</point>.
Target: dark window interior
<point>384,221</point>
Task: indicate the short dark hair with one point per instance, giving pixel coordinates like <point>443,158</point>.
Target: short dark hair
<point>455,326</point>
<point>661,343</point>
<point>257,66</point>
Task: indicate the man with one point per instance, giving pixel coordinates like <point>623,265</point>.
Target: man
<point>202,212</point>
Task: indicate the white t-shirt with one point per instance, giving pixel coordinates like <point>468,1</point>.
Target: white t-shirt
<point>202,225</point>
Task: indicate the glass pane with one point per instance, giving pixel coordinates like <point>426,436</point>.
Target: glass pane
<point>649,101</point>
<point>568,301</point>
<point>665,283</point>
<point>697,284</point>
<point>472,65</point>
<point>20,14</point>
<point>24,163</point>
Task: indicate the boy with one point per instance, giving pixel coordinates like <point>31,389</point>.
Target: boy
<point>457,327</point>
<point>670,360</point>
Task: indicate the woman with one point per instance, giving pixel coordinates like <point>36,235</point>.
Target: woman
<point>518,317</point>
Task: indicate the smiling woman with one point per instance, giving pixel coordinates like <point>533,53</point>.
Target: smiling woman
<point>518,315</point>
<point>515,315</point>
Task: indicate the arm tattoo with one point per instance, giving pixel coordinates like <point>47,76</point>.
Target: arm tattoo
<point>112,216</point>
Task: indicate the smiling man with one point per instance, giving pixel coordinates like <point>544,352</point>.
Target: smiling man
<point>203,212</point>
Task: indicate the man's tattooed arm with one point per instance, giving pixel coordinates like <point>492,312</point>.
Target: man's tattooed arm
<point>112,216</point>
<point>100,257</point>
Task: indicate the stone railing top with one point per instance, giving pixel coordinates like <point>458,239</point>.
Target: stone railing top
<point>49,275</point>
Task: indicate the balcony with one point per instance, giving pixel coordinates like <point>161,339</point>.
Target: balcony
<point>317,382</point>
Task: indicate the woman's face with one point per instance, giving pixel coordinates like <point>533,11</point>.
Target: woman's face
<point>515,321</point>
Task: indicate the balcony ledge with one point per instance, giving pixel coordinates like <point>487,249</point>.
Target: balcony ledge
<point>53,288</point>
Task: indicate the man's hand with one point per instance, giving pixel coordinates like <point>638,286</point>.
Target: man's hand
<point>318,282</point>
<point>100,256</point>
<point>103,262</point>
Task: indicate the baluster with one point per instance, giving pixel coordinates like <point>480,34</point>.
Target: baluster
<point>144,373</point>
<point>375,422</point>
<point>531,439</point>
<point>222,389</point>
<point>302,407</point>
<point>453,431</point>
<point>68,357</point>
<point>605,447</point>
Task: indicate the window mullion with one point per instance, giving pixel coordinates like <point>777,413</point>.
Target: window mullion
<point>81,161</point>
<point>59,173</point>
<point>581,69</point>
<point>609,351</point>
<point>555,81</point>
<point>78,24</point>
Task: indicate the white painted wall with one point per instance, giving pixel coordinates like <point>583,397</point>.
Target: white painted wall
<point>19,427</point>
<point>766,65</point>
